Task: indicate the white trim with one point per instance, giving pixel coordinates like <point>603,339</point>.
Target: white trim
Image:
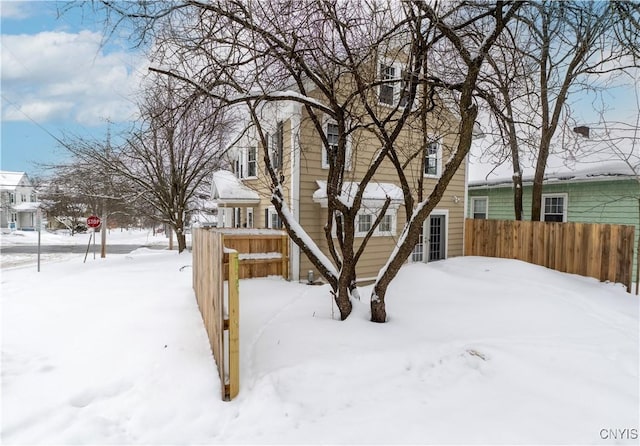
<point>565,204</point>
<point>294,250</point>
<point>436,212</point>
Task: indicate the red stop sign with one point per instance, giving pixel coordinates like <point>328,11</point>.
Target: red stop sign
<point>93,221</point>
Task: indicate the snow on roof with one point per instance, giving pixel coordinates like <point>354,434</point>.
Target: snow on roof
<point>10,179</point>
<point>597,172</point>
<point>27,206</point>
<point>373,192</point>
<point>227,188</point>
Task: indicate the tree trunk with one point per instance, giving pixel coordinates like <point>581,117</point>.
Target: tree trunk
<point>182,241</point>
<point>517,195</point>
<point>343,301</point>
<point>378,309</point>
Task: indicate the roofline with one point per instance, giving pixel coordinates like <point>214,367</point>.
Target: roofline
<point>508,182</point>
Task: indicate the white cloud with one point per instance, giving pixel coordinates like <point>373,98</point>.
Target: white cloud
<point>60,76</point>
<point>15,9</point>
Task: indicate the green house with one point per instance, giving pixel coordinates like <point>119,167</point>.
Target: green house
<point>607,193</point>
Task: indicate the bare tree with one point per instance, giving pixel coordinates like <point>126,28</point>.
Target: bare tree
<point>78,187</point>
<point>177,146</point>
<point>554,52</point>
<point>324,56</point>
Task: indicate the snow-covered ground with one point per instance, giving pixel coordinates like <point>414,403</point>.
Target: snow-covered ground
<point>63,237</point>
<point>476,350</point>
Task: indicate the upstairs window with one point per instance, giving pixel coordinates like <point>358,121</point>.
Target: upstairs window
<point>252,166</point>
<point>276,148</point>
<point>395,90</point>
<point>23,198</point>
<point>386,94</point>
<point>331,132</point>
<point>12,198</point>
<point>433,160</point>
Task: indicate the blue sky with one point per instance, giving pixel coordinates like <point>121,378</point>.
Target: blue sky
<point>60,77</point>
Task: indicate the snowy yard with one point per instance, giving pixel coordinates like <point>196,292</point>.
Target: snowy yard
<point>476,351</point>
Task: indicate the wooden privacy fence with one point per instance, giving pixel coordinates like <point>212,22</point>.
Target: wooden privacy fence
<point>596,250</point>
<point>220,255</point>
<point>262,253</point>
<point>219,314</point>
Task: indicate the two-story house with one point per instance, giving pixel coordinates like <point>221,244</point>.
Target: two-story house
<point>296,150</point>
<point>18,202</point>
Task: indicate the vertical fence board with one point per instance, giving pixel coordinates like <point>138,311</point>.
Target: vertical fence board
<point>601,251</point>
<point>234,327</point>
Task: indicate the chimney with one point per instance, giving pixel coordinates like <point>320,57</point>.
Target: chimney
<point>582,130</point>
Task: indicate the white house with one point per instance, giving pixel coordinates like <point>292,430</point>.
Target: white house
<point>18,202</point>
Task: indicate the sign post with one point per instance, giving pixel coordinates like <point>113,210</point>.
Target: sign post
<point>39,226</point>
<point>93,222</point>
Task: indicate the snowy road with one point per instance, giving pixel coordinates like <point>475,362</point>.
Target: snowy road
<point>71,249</point>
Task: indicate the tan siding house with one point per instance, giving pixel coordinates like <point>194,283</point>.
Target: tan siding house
<point>295,143</point>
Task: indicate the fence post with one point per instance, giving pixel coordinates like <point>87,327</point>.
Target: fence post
<point>234,326</point>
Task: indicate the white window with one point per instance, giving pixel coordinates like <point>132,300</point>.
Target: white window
<point>365,220</point>
<point>252,163</point>
<point>249,217</point>
<point>387,225</point>
<point>239,167</point>
<point>246,164</point>
<point>479,207</point>
<point>12,198</point>
<point>272,219</point>
<point>393,89</point>
<point>331,132</point>
<point>433,160</point>
<point>14,217</point>
<point>386,93</point>
<point>23,198</point>
<point>276,146</point>
<point>554,207</point>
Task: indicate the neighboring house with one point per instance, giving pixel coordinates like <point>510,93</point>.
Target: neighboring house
<point>18,202</point>
<point>296,149</point>
<point>606,193</point>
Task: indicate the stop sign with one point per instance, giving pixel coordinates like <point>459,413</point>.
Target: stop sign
<point>93,221</point>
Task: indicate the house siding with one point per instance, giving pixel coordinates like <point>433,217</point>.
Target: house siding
<point>364,145</point>
<point>604,201</point>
